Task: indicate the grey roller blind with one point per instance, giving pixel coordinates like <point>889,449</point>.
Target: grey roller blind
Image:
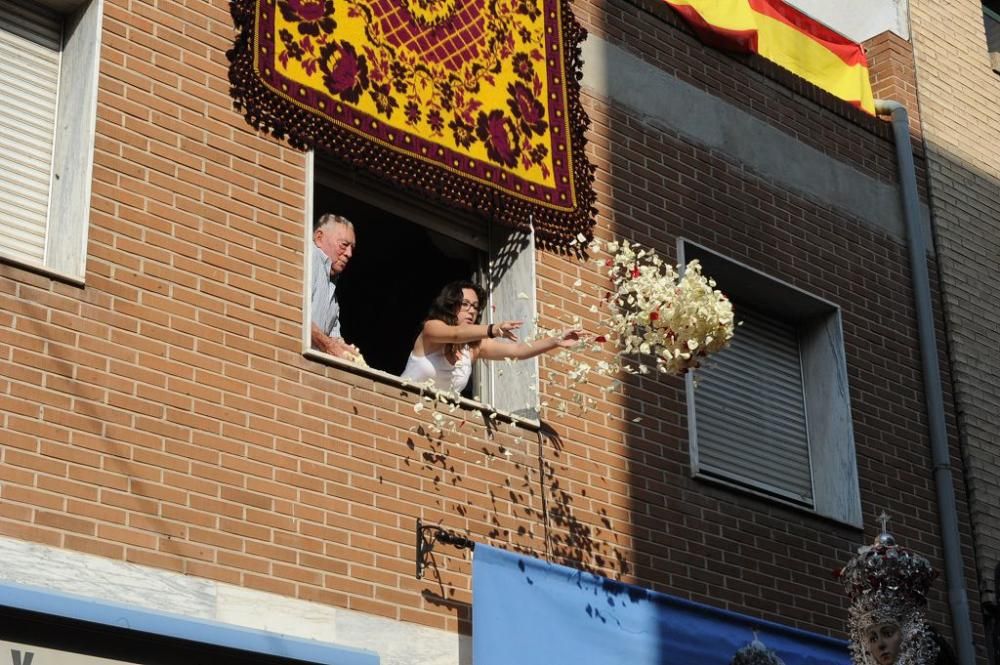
<point>30,41</point>
<point>750,411</point>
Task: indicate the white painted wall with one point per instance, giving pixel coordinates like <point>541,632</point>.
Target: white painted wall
<point>859,19</point>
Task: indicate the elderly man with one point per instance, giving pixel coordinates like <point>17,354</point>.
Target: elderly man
<point>333,240</point>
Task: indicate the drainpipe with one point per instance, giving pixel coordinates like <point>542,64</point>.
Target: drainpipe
<point>958,601</point>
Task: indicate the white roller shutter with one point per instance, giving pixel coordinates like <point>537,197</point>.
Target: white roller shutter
<point>30,44</point>
<point>750,415</point>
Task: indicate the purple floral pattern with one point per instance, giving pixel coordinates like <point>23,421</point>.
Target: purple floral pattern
<point>529,112</point>
<point>345,73</point>
<point>312,16</point>
<point>436,100</point>
<point>499,134</point>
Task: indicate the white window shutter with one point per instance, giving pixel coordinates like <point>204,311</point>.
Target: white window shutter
<point>750,415</point>
<point>513,387</point>
<point>30,44</point>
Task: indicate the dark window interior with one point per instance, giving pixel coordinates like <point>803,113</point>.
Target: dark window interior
<point>396,271</point>
<point>991,20</point>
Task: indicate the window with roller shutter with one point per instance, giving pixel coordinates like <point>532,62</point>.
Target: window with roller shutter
<point>48,70</point>
<point>771,414</point>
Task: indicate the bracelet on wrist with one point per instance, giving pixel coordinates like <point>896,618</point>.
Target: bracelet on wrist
<point>489,331</point>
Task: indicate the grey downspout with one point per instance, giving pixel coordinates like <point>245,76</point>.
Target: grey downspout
<point>958,601</point>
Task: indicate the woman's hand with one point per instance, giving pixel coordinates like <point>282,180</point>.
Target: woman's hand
<point>506,330</point>
<point>569,337</point>
<point>492,350</point>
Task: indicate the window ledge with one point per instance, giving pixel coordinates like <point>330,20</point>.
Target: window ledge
<point>489,413</point>
<point>773,498</point>
<point>995,61</point>
<point>74,280</point>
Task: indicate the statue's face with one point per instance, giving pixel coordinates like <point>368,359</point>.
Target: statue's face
<point>882,641</point>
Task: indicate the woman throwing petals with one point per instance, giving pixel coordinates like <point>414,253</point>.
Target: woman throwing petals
<point>452,339</point>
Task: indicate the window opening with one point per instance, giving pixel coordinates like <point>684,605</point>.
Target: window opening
<point>397,269</point>
<point>49,56</point>
<point>407,249</point>
<point>771,414</point>
<point>991,22</point>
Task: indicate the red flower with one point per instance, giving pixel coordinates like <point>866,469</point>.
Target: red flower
<point>608,263</point>
<point>436,122</point>
<point>653,316</point>
<point>635,273</point>
<point>600,339</point>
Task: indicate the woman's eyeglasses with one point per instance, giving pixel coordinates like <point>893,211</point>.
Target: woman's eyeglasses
<point>469,304</point>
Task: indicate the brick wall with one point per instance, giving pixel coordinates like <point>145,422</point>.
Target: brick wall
<point>890,68</point>
<point>960,110</point>
<point>165,415</point>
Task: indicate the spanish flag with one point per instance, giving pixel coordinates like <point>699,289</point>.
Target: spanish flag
<point>787,37</point>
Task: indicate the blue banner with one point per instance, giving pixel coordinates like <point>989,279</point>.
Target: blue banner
<point>530,612</point>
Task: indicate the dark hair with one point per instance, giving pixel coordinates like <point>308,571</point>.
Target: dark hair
<point>447,302</point>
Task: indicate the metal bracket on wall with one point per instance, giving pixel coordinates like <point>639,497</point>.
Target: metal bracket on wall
<point>428,535</point>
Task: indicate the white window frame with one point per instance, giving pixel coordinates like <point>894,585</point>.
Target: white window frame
<point>73,146</point>
<point>511,390</point>
<point>835,488</point>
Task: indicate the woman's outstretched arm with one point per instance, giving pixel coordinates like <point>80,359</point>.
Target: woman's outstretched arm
<point>494,349</point>
<point>439,332</point>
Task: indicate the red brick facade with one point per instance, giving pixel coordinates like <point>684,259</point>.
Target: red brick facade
<point>164,413</point>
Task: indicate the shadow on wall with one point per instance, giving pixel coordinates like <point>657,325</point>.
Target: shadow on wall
<point>992,612</point>
<point>751,554</point>
<point>537,497</point>
<point>966,209</point>
<point>717,544</point>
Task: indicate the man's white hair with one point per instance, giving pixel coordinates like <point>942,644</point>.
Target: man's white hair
<point>330,218</point>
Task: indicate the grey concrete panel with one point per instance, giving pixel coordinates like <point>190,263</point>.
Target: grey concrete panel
<point>667,103</point>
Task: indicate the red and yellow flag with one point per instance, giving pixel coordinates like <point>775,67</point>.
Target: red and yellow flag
<point>787,37</point>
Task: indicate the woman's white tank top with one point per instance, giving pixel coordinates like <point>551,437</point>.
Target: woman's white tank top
<point>445,376</point>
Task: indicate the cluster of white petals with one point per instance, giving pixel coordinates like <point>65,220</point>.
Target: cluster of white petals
<point>672,318</point>
<point>357,359</point>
